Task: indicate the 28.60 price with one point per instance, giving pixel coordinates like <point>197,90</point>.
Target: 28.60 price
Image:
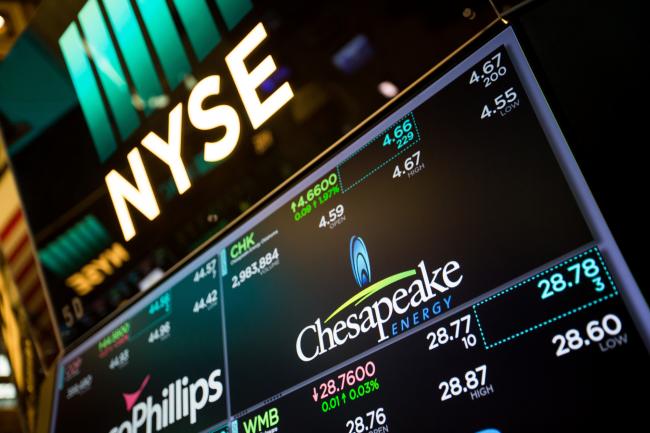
<point>595,331</point>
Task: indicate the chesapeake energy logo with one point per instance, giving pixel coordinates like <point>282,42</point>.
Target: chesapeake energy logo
<point>316,339</point>
<point>180,399</point>
<point>89,52</point>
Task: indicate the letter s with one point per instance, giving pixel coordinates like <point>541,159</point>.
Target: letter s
<point>215,385</point>
<point>205,120</point>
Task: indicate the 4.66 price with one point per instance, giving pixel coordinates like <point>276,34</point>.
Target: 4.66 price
<point>402,134</point>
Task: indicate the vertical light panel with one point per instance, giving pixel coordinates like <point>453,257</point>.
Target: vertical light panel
<point>233,11</point>
<point>199,25</point>
<point>90,100</point>
<point>108,67</point>
<point>166,40</point>
<point>134,49</point>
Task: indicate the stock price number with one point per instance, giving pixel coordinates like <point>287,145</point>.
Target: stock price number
<point>209,269</point>
<point>411,166</point>
<point>373,422</point>
<point>160,333</point>
<point>345,380</point>
<point>163,303</point>
<point>503,104</point>
<point>557,282</point>
<point>402,134</point>
<point>596,331</point>
<point>490,72</point>
<point>334,217</point>
<point>472,381</point>
<point>259,267</point>
<point>316,195</point>
<point>208,302</point>
<point>442,335</point>
<point>120,360</point>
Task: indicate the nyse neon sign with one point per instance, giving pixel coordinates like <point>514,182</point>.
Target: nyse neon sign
<point>203,35</point>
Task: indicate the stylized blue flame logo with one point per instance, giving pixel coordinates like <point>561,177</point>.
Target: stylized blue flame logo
<point>360,261</point>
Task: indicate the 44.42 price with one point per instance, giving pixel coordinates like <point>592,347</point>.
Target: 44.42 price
<point>208,302</point>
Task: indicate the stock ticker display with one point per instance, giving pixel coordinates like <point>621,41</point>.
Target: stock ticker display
<point>446,271</point>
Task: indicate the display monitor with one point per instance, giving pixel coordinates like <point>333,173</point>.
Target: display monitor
<point>444,267</point>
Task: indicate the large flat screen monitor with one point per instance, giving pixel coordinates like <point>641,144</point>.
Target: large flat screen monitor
<point>444,268</point>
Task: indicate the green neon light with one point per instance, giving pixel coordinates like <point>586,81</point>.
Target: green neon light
<point>370,290</point>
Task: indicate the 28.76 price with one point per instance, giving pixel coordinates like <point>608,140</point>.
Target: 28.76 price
<point>373,420</point>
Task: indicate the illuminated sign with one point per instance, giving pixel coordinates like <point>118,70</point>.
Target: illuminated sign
<point>204,36</point>
<point>96,45</point>
<point>95,272</point>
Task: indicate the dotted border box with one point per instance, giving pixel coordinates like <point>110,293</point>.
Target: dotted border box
<point>555,318</point>
<point>383,164</point>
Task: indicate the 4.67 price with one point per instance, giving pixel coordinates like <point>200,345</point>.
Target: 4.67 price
<point>490,71</point>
